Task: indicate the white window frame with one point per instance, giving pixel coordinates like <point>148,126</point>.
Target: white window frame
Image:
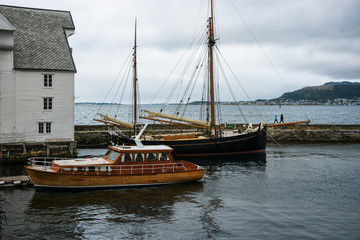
<point>48,80</point>
<point>48,103</point>
<point>44,127</point>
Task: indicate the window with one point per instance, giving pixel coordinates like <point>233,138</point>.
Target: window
<point>92,169</point>
<point>44,127</point>
<point>113,156</point>
<point>48,80</point>
<point>139,157</point>
<point>126,157</point>
<point>48,127</point>
<point>151,157</point>
<point>48,101</point>
<point>164,157</point>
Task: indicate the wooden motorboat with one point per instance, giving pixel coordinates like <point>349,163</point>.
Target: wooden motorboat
<point>121,166</point>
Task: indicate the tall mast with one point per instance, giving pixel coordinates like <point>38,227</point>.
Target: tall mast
<point>211,43</point>
<point>135,81</point>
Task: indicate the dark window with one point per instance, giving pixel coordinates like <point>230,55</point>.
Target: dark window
<point>48,127</point>
<point>47,80</point>
<point>164,157</point>
<point>48,103</point>
<point>44,127</point>
<point>92,169</point>
<point>139,157</point>
<point>127,157</point>
<point>41,127</point>
<point>151,157</point>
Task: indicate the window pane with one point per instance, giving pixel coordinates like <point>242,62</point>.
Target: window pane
<point>139,157</point>
<point>128,157</point>
<point>41,127</point>
<point>48,103</point>
<point>113,156</point>
<point>151,157</point>
<point>45,80</point>
<point>164,157</point>
<point>48,127</point>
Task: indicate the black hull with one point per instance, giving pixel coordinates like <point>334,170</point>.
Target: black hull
<point>238,144</point>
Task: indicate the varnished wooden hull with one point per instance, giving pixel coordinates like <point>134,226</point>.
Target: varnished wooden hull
<point>44,180</point>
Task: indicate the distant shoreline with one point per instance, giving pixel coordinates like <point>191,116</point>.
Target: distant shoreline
<point>232,103</point>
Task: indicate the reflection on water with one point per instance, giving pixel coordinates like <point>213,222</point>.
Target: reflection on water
<point>13,169</point>
<point>75,212</point>
<point>253,159</point>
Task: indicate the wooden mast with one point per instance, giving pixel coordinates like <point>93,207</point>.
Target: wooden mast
<point>211,43</point>
<point>135,81</point>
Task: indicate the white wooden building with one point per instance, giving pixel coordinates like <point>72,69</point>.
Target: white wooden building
<point>36,76</point>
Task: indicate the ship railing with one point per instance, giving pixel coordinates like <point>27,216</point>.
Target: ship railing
<point>109,169</point>
<point>43,161</point>
<point>124,169</point>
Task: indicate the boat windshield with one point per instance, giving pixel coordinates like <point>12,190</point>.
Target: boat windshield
<point>106,155</point>
<point>112,155</point>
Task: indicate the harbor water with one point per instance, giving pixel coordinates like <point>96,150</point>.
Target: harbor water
<point>318,114</point>
<point>298,191</point>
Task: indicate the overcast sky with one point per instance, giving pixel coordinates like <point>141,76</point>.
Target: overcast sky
<point>298,43</point>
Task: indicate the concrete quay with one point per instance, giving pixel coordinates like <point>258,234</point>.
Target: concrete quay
<point>315,133</point>
<point>96,136</point>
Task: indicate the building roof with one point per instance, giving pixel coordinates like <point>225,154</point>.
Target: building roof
<point>5,24</point>
<point>40,38</point>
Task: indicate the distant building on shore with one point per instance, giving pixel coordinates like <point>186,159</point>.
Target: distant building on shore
<point>37,75</point>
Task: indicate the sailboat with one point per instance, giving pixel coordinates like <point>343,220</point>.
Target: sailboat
<point>213,142</point>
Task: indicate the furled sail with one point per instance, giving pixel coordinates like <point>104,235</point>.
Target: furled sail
<point>114,120</point>
<point>172,117</point>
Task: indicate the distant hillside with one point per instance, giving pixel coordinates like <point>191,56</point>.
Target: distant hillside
<point>328,91</point>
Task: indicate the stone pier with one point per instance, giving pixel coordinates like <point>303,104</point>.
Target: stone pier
<point>96,136</point>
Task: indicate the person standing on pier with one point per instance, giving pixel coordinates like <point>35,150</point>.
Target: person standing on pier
<point>276,121</point>
<point>281,118</point>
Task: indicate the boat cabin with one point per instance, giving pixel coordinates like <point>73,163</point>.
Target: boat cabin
<point>135,154</point>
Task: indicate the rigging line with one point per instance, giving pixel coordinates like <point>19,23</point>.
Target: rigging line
<point>263,51</point>
<point>217,87</point>
<point>198,70</point>
<point>139,99</point>
<point>131,109</point>
<point>180,78</point>
<point>197,20</point>
<point>231,92</point>
<point>218,105</point>
<point>198,64</point>
<point>239,82</point>
<point>167,79</point>
<point>187,65</point>
<point>203,96</point>
<point>113,83</point>
<point>125,80</point>
<point>192,77</point>
<point>269,135</point>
